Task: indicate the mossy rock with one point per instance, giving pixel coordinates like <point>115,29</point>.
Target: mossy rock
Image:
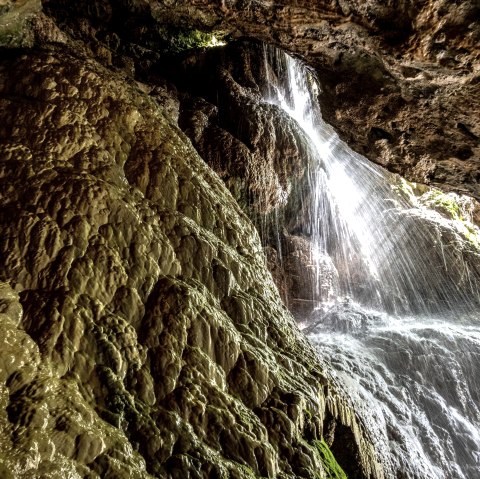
<point>332,468</point>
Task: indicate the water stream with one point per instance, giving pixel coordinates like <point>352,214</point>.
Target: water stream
<point>398,293</point>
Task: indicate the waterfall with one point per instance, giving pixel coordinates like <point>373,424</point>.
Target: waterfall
<point>397,294</point>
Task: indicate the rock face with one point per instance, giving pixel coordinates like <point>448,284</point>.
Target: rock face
<point>401,79</point>
<point>269,167</point>
<point>142,335</point>
<point>228,109</point>
<point>260,152</point>
<point>254,146</point>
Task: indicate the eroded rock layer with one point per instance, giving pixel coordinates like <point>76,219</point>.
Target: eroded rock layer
<point>142,333</point>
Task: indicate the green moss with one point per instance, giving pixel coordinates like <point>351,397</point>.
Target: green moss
<point>246,471</point>
<point>445,203</point>
<point>332,468</point>
<point>407,189</point>
<point>309,414</point>
<point>471,234</point>
<point>182,39</point>
<point>455,208</point>
<point>404,188</point>
<point>16,35</point>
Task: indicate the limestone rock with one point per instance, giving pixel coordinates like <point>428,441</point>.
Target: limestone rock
<point>143,335</point>
<point>257,150</point>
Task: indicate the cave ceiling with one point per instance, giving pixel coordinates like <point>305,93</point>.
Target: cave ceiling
<point>400,79</point>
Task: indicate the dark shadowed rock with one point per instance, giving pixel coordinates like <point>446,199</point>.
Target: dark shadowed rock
<point>399,77</point>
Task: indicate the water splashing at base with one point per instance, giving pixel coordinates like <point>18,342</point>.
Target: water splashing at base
<point>398,320</point>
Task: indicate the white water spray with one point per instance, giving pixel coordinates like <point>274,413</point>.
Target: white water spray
<point>403,334</point>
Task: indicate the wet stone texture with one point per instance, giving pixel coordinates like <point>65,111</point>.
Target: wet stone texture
<point>253,145</point>
<point>227,108</point>
<point>399,84</point>
<point>400,79</point>
<point>142,335</point>
<point>215,88</point>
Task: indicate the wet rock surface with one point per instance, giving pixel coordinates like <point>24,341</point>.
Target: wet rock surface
<point>400,79</point>
<point>399,84</point>
<point>253,145</point>
<point>143,334</point>
<point>229,110</point>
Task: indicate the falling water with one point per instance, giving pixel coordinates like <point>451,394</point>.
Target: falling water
<point>399,323</point>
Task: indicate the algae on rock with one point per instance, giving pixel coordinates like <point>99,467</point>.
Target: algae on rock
<point>333,470</point>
